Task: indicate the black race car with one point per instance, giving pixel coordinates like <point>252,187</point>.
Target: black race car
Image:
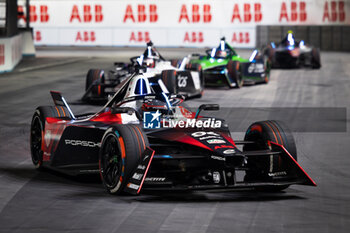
<point>146,139</point>
<point>290,53</point>
<point>186,80</point>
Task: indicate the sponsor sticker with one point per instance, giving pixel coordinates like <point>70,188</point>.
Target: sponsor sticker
<point>218,158</point>
<point>216,141</point>
<point>155,179</point>
<point>229,151</point>
<point>202,133</point>
<point>141,167</point>
<point>133,186</point>
<point>282,173</point>
<point>82,143</point>
<point>137,176</point>
<point>216,177</point>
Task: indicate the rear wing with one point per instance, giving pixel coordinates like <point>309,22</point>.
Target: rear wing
<point>60,101</point>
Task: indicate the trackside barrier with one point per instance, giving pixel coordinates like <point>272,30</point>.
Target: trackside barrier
<point>191,23</point>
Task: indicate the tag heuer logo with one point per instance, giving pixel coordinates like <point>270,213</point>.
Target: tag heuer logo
<point>151,120</point>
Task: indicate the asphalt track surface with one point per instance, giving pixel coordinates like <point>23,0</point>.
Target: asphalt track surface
<point>32,201</point>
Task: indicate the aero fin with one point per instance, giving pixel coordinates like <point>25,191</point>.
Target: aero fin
<point>138,177</point>
<point>60,101</point>
<point>294,167</point>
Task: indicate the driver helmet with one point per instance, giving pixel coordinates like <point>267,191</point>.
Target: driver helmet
<point>150,56</point>
<point>222,49</point>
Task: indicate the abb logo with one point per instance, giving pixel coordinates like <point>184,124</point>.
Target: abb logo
<point>139,36</point>
<point>42,10</point>
<point>247,13</point>
<point>194,37</point>
<point>85,36</point>
<point>2,54</point>
<point>196,16</point>
<point>87,15</point>
<point>296,13</point>
<point>240,38</point>
<point>141,15</point>
<point>37,36</point>
<point>337,12</point>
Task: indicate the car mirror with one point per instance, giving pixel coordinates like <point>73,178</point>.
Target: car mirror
<point>207,107</point>
<point>129,111</point>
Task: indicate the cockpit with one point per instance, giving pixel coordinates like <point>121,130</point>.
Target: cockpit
<point>222,51</point>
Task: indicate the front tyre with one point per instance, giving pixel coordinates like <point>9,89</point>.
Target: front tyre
<point>36,136</point>
<point>121,151</point>
<point>315,59</point>
<point>96,78</point>
<point>37,130</point>
<point>235,74</point>
<point>261,134</point>
<point>169,79</point>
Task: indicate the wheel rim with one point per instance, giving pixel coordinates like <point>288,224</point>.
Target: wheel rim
<point>36,140</point>
<point>111,162</point>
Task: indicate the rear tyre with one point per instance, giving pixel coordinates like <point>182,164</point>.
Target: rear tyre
<point>198,68</point>
<point>91,77</point>
<point>169,79</point>
<point>234,71</point>
<point>267,64</point>
<point>175,63</point>
<point>37,130</point>
<point>315,59</point>
<point>121,151</point>
<point>270,53</point>
<point>261,133</point>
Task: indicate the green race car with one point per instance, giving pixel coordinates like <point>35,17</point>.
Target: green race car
<point>223,66</point>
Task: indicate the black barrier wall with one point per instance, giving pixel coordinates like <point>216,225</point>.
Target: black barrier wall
<point>327,38</point>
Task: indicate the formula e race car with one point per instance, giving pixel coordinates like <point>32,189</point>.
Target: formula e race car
<point>185,80</point>
<point>146,139</point>
<point>290,53</point>
<point>223,66</point>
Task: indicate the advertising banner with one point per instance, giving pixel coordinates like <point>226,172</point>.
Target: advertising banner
<point>195,23</point>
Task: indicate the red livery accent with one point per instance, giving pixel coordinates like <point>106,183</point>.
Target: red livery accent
<point>222,146</point>
<point>108,117</point>
<point>191,141</point>
<point>144,176</point>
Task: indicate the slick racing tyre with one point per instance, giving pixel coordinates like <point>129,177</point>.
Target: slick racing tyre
<point>267,67</point>
<point>91,77</point>
<point>315,59</point>
<point>121,151</point>
<point>37,130</point>
<point>198,68</point>
<point>270,53</point>
<point>169,79</point>
<point>261,133</point>
<point>175,63</point>
<point>234,71</point>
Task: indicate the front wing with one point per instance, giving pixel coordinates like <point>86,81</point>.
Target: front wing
<point>227,175</point>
